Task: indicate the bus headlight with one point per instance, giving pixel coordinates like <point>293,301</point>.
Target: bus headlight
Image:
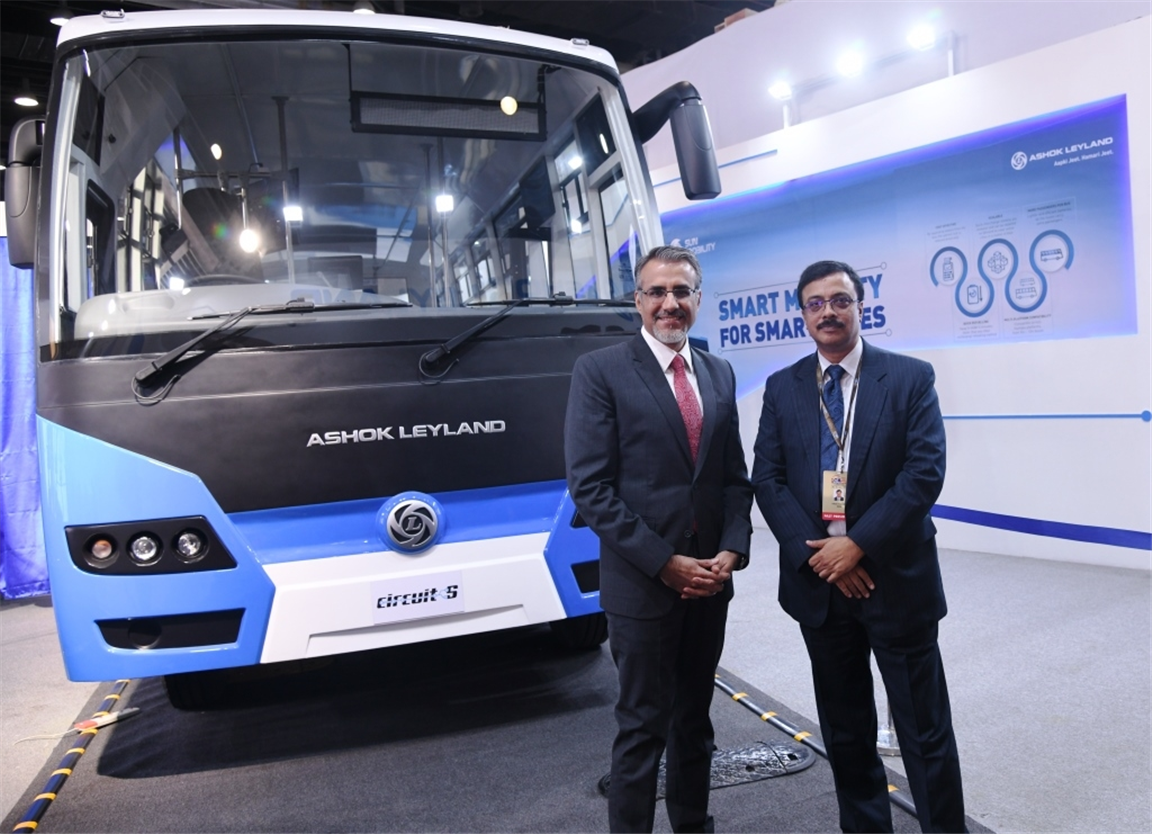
<point>144,549</point>
<point>189,546</point>
<point>152,547</point>
<point>100,552</point>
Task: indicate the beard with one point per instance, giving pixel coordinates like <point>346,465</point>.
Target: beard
<point>670,336</point>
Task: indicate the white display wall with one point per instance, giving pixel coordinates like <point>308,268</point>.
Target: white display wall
<point>1050,445</point>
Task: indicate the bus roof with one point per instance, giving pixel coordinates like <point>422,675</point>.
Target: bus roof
<point>110,23</point>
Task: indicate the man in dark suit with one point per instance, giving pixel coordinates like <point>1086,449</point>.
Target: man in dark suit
<point>862,575</point>
<point>656,469</point>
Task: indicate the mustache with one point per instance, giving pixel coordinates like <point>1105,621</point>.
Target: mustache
<point>674,314</point>
<point>830,324</point>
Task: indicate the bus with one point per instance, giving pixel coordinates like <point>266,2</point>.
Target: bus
<point>309,289</point>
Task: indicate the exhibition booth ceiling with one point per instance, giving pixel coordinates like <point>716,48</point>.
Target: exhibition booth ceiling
<point>635,31</point>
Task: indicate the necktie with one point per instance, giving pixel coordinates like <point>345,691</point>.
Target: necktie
<point>834,401</point>
<point>689,406</point>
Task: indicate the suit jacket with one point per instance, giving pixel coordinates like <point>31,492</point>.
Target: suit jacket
<point>631,476</point>
<point>895,473</point>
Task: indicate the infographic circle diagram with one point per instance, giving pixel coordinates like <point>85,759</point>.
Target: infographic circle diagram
<point>1025,292</point>
<point>1051,252</point>
<point>974,296</point>
<point>998,260</point>
<point>948,267</point>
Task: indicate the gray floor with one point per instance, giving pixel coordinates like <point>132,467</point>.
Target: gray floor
<point>1048,665</point>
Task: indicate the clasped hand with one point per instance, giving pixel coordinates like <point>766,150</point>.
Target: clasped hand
<point>698,578</point>
<point>836,561</point>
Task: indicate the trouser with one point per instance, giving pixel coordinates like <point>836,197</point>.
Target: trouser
<point>666,667</point>
<point>913,675</point>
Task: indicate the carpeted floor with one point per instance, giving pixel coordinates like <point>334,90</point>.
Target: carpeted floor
<point>495,732</point>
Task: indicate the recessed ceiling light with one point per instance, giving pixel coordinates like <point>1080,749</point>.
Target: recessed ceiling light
<point>850,63</point>
<point>922,37</point>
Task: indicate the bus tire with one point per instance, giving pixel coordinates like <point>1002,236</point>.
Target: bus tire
<point>194,691</point>
<point>582,633</point>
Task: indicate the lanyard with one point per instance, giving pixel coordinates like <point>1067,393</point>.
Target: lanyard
<point>840,440</point>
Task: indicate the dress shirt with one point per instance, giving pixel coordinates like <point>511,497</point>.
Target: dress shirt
<point>664,355</point>
<point>850,364</point>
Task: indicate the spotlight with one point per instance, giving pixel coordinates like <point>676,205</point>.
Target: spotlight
<point>850,64</point>
<point>294,213</point>
<point>780,91</point>
<point>445,203</point>
<point>509,105</point>
<point>26,100</point>
<point>216,150</point>
<point>249,240</point>
<point>61,15</point>
<point>363,7</point>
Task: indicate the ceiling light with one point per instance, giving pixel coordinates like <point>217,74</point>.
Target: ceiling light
<point>363,7</point>
<point>216,150</point>
<point>60,16</point>
<point>780,91</point>
<point>509,106</point>
<point>26,100</point>
<point>294,213</point>
<point>445,203</point>
<point>922,37</point>
<point>850,63</point>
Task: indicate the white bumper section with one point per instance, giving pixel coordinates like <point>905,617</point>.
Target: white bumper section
<point>367,601</point>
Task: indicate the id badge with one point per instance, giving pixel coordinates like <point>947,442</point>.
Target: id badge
<point>834,496</point>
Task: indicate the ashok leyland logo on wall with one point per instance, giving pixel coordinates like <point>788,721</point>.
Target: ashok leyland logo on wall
<point>410,522</point>
<point>1019,160</point>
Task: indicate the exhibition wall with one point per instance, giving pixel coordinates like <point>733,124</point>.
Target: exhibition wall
<point>1001,217</point>
<point>800,42</point>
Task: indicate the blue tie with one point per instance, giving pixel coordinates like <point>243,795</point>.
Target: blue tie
<point>834,400</point>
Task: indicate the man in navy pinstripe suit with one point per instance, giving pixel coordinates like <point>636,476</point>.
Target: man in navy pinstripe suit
<point>862,575</point>
<point>656,469</point>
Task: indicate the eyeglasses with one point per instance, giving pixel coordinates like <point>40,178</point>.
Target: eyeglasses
<point>660,293</point>
<point>838,302</point>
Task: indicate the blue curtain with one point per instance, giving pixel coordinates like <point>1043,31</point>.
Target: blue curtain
<point>23,570</point>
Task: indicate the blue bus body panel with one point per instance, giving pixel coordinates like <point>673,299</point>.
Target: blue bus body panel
<point>115,485</point>
<point>131,487</point>
<point>568,546</point>
<point>336,529</point>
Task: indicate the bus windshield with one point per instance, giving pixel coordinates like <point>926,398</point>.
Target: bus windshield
<point>195,179</point>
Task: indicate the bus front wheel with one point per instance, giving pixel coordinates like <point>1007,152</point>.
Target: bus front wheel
<point>194,691</point>
<point>581,633</point>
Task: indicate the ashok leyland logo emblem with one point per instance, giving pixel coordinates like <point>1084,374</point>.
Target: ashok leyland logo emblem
<point>410,522</point>
<point>1019,160</point>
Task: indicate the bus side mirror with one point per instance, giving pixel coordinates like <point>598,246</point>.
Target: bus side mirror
<point>21,187</point>
<point>691,135</point>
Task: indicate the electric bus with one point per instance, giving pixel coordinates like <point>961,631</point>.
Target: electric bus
<point>309,289</point>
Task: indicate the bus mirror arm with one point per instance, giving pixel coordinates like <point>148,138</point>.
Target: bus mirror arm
<point>691,134</point>
<point>21,188</point>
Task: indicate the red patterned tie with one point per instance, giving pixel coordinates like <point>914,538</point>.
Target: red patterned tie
<point>689,405</point>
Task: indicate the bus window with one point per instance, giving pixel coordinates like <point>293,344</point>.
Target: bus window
<point>619,235</point>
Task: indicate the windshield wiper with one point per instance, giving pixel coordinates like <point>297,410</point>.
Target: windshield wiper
<point>304,305</point>
<point>445,350</point>
<point>296,305</point>
<point>561,300</point>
